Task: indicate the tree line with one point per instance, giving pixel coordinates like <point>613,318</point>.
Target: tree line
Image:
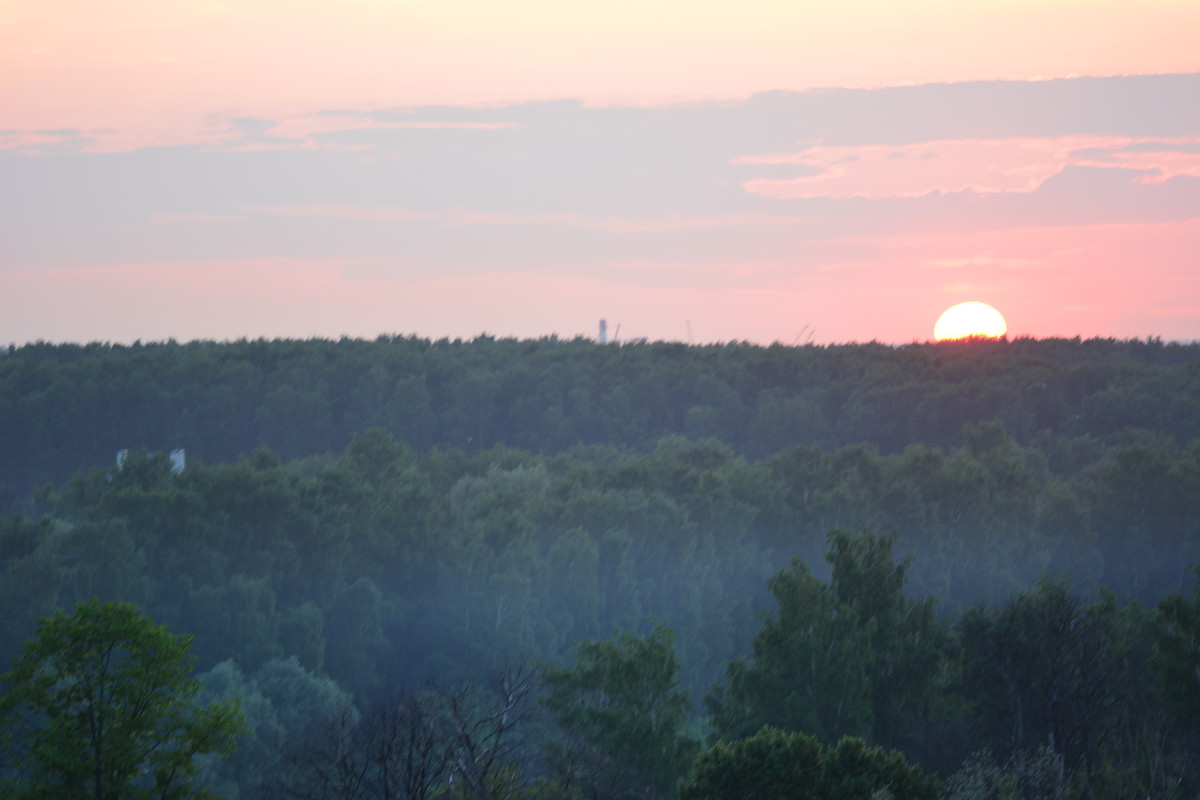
<point>64,408</point>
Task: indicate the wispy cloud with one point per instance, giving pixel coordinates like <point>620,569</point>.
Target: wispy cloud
<point>982,166</point>
<point>465,217</point>
<point>862,214</point>
<point>42,142</point>
<point>201,219</point>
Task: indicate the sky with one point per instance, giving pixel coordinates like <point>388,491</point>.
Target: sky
<point>701,171</point>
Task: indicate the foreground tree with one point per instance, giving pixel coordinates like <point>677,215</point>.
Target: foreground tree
<point>100,706</point>
<point>1177,653</point>
<point>854,657</point>
<point>794,766</point>
<point>1048,670</point>
<point>623,713</point>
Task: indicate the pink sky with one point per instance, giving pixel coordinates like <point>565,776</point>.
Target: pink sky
<point>152,65</point>
<point>737,170</point>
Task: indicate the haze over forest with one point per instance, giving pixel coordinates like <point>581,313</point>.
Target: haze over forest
<point>358,518</point>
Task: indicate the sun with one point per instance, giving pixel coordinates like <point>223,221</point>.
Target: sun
<point>968,320</point>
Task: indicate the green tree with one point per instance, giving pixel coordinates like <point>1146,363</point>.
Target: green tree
<point>1049,670</point>
<point>1027,774</point>
<point>854,657</point>
<point>100,705</point>
<point>906,641</point>
<point>809,670</point>
<point>283,704</point>
<point>1177,653</point>
<point>769,764</point>
<point>623,705</point>
<point>793,766</point>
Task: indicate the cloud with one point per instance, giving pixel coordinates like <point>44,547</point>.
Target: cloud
<point>330,211</point>
<point>202,219</point>
<point>464,217</point>
<point>43,142</point>
<point>616,207</point>
<point>981,166</point>
<point>1132,106</point>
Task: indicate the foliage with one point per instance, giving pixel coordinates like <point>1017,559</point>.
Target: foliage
<point>99,706</point>
<point>1177,654</point>
<point>809,670</point>
<point>1039,775</point>
<point>768,764</point>
<point>301,398</point>
<point>794,766</point>
<point>1047,670</point>
<point>852,657</point>
<point>282,704</point>
<point>622,704</point>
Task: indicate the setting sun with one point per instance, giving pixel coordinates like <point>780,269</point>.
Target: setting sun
<point>970,319</point>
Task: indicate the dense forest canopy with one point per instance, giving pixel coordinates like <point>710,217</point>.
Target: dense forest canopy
<point>68,407</point>
<point>939,532</point>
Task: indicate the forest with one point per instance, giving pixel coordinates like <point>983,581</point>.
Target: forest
<point>552,568</point>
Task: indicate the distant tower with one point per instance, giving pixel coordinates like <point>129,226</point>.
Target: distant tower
<point>122,457</point>
<point>603,331</point>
